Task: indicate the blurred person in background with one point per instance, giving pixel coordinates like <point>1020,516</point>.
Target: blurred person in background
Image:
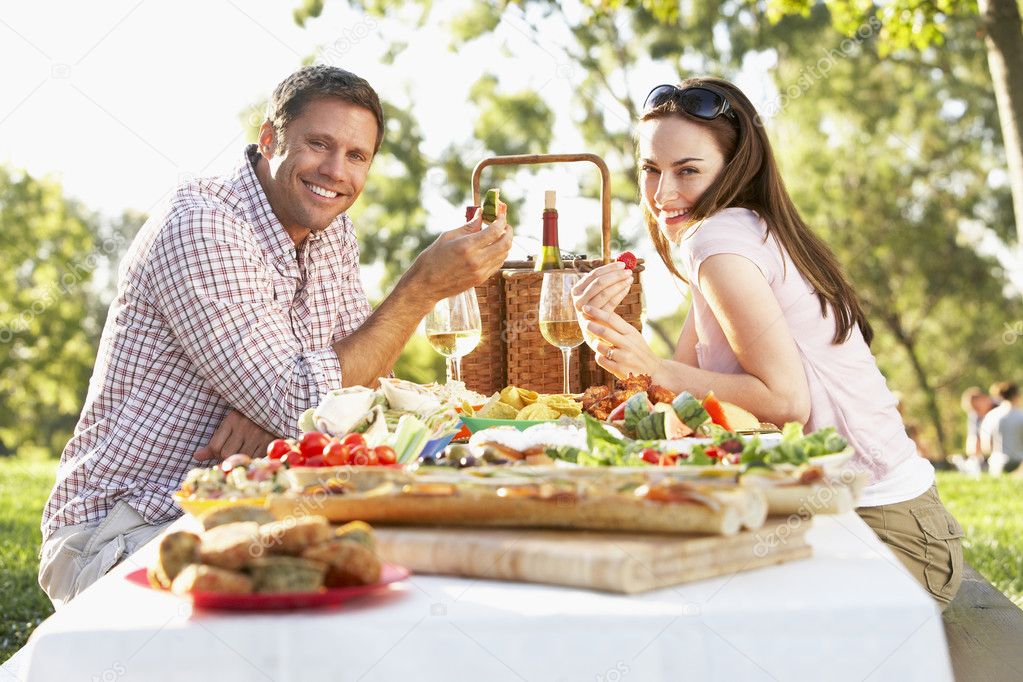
<point>1001,431</point>
<point>976,404</point>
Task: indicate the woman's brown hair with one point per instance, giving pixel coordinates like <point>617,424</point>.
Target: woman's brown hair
<point>750,179</point>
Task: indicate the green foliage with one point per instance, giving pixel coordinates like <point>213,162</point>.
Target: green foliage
<point>55,254</point>
<point>901,24</point>
<point>389,215</point>
<point>24,486</point>
<point>506,123</point>
<point>990,510</point>
<point>309,9</point>
<point>419,362</point>
<point>481,18</point>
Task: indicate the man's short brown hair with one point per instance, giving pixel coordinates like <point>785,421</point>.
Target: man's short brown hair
<point>311,82</point>
<point>1007,390</point>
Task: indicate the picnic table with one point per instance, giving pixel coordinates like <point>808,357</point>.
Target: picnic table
<point>851,612</point>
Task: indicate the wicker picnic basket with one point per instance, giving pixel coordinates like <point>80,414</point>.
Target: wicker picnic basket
<point>512,351</point>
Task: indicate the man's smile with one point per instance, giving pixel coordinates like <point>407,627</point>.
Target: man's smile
<point>319,191</point>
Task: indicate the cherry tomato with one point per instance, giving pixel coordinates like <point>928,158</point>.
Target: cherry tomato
<point>359,455</point>
<point>385,454</point>
<point>651,455</point>
<point>278,448</point>
<point>336,454</point>
<point>293,459</point>
<point>312,443</point>
<point>316,461</point>
<point>353,439</point>
<point>668,459</point>
<point>714,452</point>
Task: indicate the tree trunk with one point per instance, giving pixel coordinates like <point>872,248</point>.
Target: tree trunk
<point>1004,40</point>
<point>894,325</point>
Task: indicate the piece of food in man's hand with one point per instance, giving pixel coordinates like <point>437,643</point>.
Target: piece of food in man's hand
<point>201,578</point>
<point>230,546</point>
<point>349,562</point>
<point>490,203</point>
<point>235,514</point>
<point>291,536</point>
<point>286,574</point>
<point>176,551</point>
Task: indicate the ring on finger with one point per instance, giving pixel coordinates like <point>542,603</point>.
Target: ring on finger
<point>610,353</point>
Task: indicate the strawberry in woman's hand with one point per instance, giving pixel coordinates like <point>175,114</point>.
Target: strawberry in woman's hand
<point>629,259</point>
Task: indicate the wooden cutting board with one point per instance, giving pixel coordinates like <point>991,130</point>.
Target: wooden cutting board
<point>613,562</point>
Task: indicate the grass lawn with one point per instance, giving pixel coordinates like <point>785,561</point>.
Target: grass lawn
<point>991,511</point>
<point>24,486</point>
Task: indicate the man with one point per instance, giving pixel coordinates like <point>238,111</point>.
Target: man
<point>975,403</point>
<point>238,306</point>
<point>1001,431</point>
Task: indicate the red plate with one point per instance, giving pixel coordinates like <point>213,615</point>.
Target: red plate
<point>280,601</point>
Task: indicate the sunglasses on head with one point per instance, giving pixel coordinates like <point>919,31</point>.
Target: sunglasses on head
<point>697,101</point>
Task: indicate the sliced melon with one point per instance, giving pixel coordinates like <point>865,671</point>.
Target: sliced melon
<point>635,409</point>
<point>739,419</point>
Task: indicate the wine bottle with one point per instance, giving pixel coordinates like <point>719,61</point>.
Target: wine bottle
<point>550,253</point>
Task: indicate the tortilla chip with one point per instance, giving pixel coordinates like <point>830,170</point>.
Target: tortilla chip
<point>495,409</point>
<point>510,396</point>
<point>562,404</point>
<point>513,395</point>
<point>528,397</point>
<point>537,412</point>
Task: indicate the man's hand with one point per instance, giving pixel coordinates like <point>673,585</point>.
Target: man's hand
<point>237,433</point>
<point>458,260</point>
<point>462,258</point>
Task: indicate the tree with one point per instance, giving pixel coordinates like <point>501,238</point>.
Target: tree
<point>922,25</point>
<point>55,252</point>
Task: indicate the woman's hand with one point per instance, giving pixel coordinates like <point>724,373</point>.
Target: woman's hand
<point>603,288</point>
<point>621,349</point>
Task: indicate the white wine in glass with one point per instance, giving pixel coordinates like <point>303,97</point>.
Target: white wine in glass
<point>558,321</point>
<point>453,328</point>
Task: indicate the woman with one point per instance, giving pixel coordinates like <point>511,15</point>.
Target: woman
<point>774,326</point>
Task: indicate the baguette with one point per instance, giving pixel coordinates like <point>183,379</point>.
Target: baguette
<point>725,516</point>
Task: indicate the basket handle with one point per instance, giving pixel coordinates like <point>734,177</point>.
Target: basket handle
<point>533,159</point>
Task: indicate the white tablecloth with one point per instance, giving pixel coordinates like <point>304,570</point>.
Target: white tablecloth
<point>849,613</point>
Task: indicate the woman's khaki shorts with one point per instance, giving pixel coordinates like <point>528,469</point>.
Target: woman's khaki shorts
<point>926,538</point>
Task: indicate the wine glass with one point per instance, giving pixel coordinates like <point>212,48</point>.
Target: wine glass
<point>559,323</point>
<point>453,328</point>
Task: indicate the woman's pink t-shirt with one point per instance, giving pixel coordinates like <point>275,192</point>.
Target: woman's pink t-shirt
<point>847,390</point>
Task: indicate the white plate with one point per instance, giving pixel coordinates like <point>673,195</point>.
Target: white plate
<point>834,461</point>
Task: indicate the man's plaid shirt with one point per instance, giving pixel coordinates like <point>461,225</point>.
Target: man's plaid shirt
<point>215,309</point>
